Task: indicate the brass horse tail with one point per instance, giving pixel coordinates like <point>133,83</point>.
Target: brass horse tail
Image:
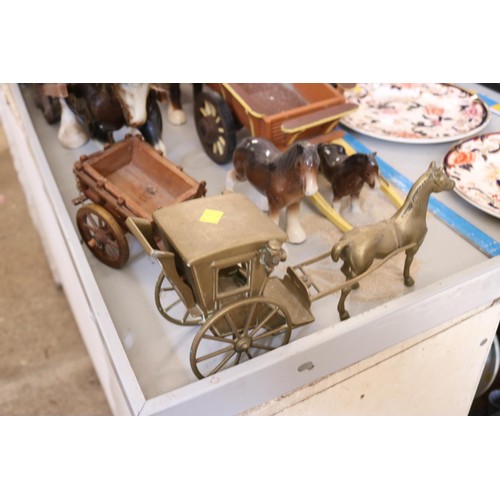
<point>337,249</point>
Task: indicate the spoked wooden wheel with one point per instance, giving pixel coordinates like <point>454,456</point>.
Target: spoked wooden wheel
<point>215,127</point>
<point>240,331</point>
<point>103,235</point>
<point>171,306</point>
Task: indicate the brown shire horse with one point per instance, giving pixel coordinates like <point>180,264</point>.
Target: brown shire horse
<point>406,229</point>
<point>284,178</point>
<point>347,174</point>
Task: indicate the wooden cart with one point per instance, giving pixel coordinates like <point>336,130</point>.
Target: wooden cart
<point>279,112</point>
<point>127,179</point>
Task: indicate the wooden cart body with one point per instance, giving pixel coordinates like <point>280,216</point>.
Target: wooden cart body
<point>279,112</point>
<point>284,113</point>
<point>130,179</point>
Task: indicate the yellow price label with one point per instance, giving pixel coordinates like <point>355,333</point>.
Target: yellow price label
<point>211,216</point>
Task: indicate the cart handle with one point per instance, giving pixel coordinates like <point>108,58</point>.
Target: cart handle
<point>330,115</point>
<point>143,231</point>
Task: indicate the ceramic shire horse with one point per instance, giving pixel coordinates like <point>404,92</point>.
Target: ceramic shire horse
<point>347,174</point>
<point>359,247</point>
<point>99,109</point>
<point>283,178</point>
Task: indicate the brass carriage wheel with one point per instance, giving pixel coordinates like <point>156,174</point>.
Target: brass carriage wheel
<point>215,126</point>
<point>171,306</point>
<point>242,330</point>
<point>103,235</point>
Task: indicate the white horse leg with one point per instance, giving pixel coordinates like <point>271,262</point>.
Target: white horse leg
<point>160,147</point>
<point>336,204</point>
<point>296,233</point>
<point>71,134</point>
<point>176,116</point>
<point>230,181</point>
<point>274,215</point>
<point>261,201</point>
<point>355,207</point>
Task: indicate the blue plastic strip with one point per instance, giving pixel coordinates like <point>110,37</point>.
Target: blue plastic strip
<point>493,105</point>
<point>471,233</point>
<point>488,100</point>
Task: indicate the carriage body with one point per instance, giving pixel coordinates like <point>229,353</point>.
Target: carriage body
<point>127,179</point>
<point>281,113</point>
<point>219,243</point>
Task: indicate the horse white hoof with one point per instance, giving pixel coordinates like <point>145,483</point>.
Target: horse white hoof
<point>176,116</point>
<point>262,203</point>
<point>296,235</point>
<point>160,147</point>
<point>355,207</point>
<point>72,136</point>
<point>71,133</point>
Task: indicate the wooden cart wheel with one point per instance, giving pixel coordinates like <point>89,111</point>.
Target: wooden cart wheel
<point>215,126</point>
<point>103,235</point>
<point>242,330</point>
<point>171,306</point>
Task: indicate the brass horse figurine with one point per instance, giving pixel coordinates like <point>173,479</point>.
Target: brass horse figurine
<point>405,230</point>
<point>283,178</point>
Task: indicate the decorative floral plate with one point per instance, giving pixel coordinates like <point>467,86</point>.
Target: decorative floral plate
<point>419,113</point>
<point>474,165</point>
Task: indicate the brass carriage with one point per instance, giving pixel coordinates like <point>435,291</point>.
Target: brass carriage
<point>218,255</point>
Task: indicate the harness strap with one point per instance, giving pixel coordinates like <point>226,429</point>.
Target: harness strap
<point>395,234</point>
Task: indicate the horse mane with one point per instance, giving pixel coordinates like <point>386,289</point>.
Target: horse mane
<point>289,158</point>
<point>413,196</point>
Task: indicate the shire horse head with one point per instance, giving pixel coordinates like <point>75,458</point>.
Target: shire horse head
<point>370,171</point>
<point>331,156</point>
<point>133,102</point>
<point>303,160</point>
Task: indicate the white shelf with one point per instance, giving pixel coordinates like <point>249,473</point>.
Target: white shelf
<point>143,360</point>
